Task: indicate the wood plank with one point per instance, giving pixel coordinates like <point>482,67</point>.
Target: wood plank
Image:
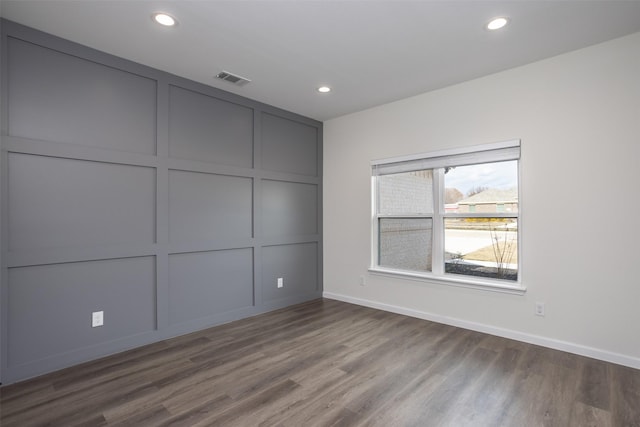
<point>589,416</point>
<point>595,385</point>
<point>625,396</point>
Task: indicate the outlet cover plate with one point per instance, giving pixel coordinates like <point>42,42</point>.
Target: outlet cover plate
<point>97,319</point>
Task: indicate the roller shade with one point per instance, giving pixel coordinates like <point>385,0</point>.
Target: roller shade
<point>487,153</point>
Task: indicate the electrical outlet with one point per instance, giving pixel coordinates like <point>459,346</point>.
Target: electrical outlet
<point>97,319</point>
<point>362,281</point>
<point>280,282</point>
<point>540,309</point>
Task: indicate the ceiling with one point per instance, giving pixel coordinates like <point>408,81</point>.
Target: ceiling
<point>369,52</point>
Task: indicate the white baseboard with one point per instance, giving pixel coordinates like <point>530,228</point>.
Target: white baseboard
<point>595,353</point>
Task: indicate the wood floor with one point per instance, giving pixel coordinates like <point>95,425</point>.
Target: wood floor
<point>328,363</point>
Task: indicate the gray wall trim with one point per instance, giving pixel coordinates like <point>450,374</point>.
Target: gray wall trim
<point>4,245</point>
<point>257,209</point>
<point>68,255</point>
<point>162,205</point>
<point>320,241</point>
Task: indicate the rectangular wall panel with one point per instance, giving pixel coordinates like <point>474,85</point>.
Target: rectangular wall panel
<point>56,202</point>
<point>289,208</point>
<point>205,206</point>
<point>289,146</point>
<point>208,129</point>
<point>62,98</point>
<point>297,265</point>
<point>204,284</point>
<point>50,306</point>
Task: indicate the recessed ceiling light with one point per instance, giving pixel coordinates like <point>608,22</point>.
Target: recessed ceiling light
<point>324,89</point>
<point>497,23</point>
<point>164,19</point>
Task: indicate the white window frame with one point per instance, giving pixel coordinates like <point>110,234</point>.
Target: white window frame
<point>437,161</point>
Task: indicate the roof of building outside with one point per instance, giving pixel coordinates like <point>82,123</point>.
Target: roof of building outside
<point>492,195</point>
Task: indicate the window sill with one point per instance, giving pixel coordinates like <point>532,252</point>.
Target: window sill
<point>463,282</point>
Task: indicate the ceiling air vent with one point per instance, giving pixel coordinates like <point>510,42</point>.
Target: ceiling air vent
<point>232,78</point>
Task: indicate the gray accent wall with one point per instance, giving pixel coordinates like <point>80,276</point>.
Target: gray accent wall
<point>169,205</point>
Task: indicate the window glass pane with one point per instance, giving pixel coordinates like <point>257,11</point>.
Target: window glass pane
<point>482,247</point>
<point>406,193</point>
<point>405,243</point>
<point>483,188</point>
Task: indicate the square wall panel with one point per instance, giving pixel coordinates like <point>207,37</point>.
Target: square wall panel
<point>203,284</point>
<point>289,208</point>
<point>205,206</point>
<point>209,129</point>
<point>296,265</point>
<point>289,146</point>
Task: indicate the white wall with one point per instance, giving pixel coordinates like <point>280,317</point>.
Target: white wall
<point>578,116</point>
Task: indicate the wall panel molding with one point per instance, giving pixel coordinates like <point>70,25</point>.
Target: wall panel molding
<point>125,187</point>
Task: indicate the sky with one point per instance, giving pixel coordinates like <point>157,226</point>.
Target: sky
<point>501,175</point>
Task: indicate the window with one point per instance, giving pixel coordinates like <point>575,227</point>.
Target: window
<point>450,215</point>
